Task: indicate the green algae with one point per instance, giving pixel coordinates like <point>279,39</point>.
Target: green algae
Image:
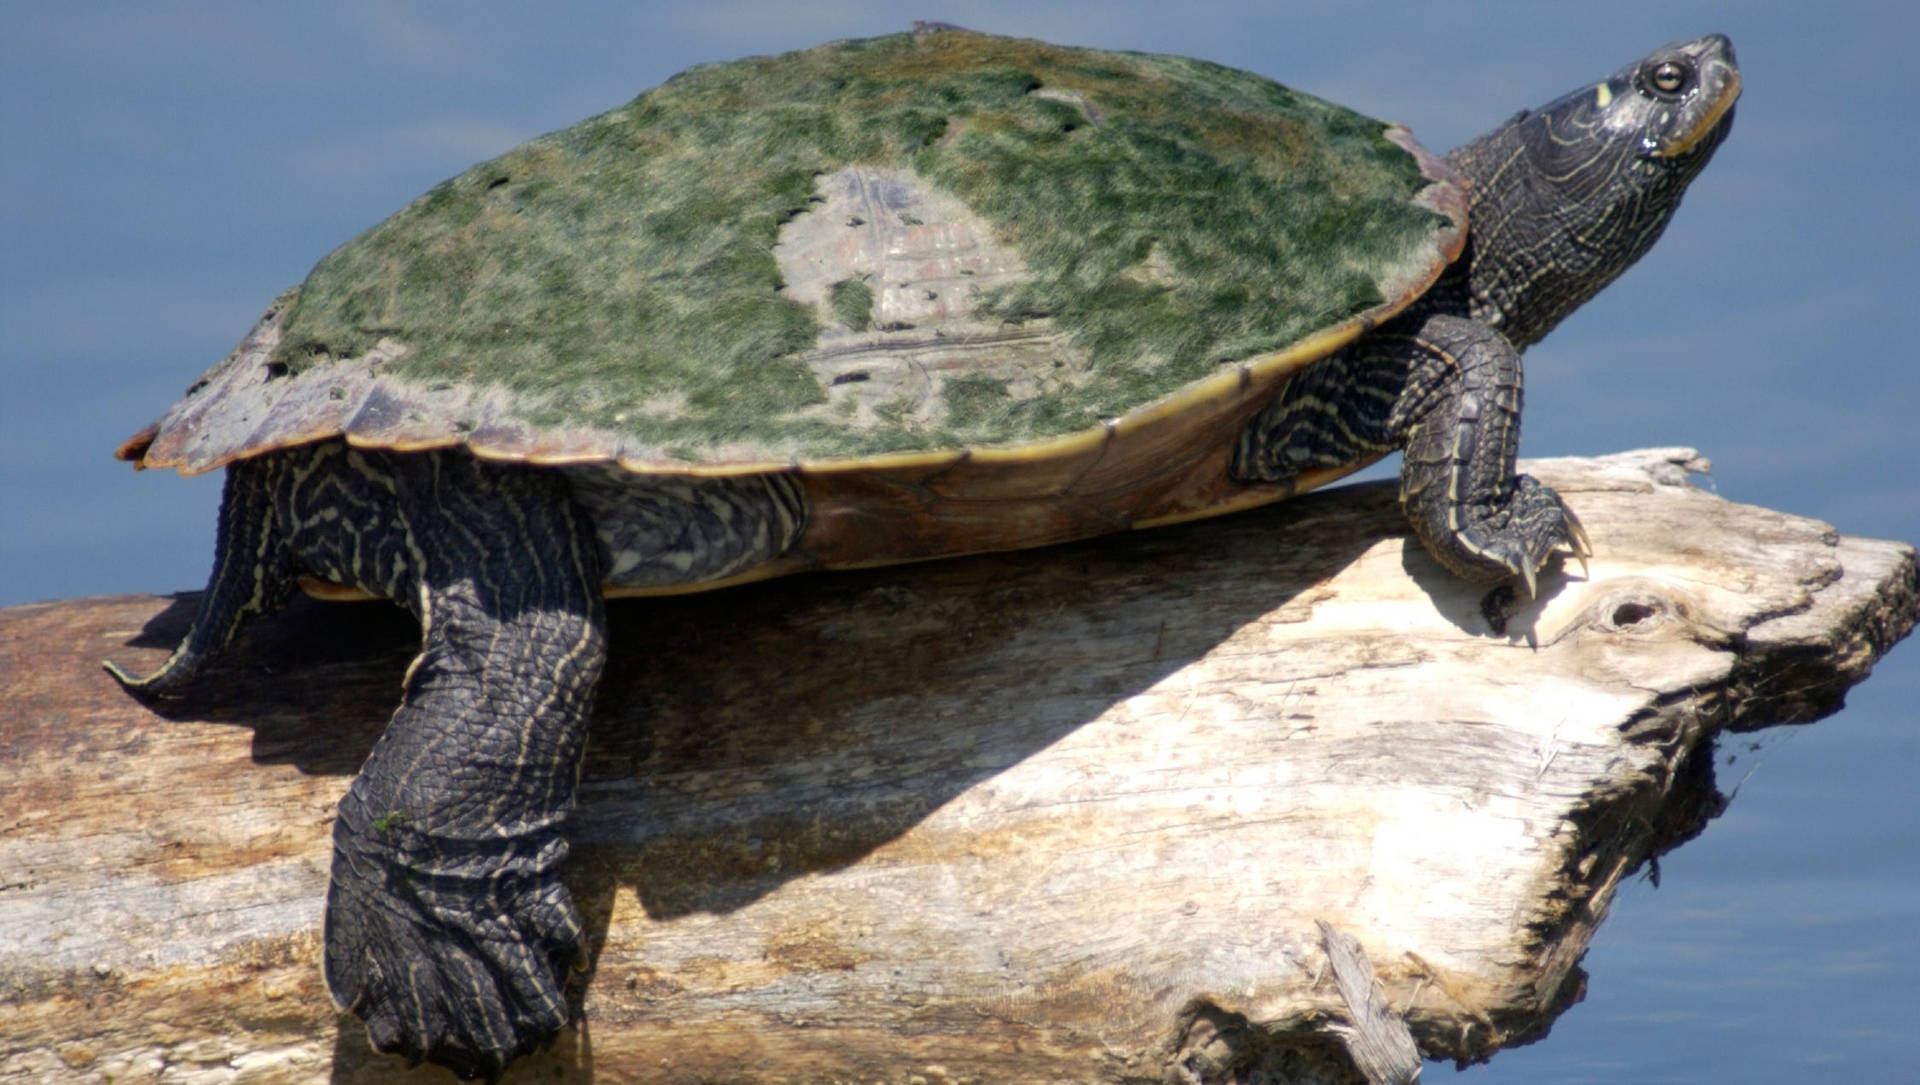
<point>601,271</point>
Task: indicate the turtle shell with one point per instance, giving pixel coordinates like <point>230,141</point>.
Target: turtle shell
<point>933,269</point>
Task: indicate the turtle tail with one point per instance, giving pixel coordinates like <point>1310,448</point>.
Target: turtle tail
<point>252,575</point>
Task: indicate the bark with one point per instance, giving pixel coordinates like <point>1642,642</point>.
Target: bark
<point>1145,809</point>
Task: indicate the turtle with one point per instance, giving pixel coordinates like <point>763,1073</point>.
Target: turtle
<point>934,293</point>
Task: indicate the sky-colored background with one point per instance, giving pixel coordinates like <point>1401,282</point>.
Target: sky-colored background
<point>166,168</point>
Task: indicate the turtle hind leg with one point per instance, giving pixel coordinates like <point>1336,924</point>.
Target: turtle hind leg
<point>252,575</point>
<point>448,929</point>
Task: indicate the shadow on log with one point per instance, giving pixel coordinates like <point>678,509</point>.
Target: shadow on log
<point>1192,805</point>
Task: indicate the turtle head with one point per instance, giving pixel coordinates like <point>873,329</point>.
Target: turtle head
<point>1568,196</point>
<point>1676,105</point>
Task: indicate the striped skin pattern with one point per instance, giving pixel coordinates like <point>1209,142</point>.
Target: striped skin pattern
<point>659,531</point>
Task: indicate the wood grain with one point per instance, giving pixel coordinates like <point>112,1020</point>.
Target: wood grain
<point>1068,815</point>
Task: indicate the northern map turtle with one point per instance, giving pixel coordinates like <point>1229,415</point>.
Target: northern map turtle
<point>881,300</point>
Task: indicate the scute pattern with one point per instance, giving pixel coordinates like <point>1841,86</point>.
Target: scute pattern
<point>610,291</point>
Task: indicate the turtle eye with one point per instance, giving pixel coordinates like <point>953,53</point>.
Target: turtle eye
<point>1668,76</point>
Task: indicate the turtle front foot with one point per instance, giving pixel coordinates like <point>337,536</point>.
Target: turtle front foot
<point>456,959</point>
<point>1511,538</point>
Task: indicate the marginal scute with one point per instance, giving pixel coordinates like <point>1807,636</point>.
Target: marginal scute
<point>873,253</point>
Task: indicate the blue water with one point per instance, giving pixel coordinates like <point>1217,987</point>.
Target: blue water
<point>1780,946</point>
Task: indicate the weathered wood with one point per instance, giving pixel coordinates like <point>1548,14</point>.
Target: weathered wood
<point>1378,1040</point>
<point>1067,815</point>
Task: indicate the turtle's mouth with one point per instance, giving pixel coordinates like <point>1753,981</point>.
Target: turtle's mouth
<point>1719,89</point>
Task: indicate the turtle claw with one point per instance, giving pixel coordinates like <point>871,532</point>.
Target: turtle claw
<point>1537,523</point>
<point>1576,541</point>
<point>1573,537</point>
<point>1576,537</point>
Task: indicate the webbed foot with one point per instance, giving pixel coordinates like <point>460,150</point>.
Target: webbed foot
<point>456,959</point>
<point>1513,537</point>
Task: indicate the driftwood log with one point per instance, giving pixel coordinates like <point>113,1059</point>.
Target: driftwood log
<point>1188,805</point>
